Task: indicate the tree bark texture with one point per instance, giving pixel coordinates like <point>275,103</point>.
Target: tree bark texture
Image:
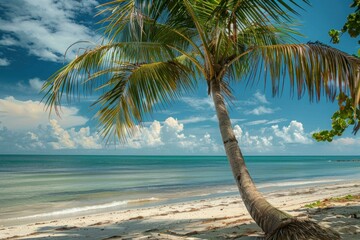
<point>264,214</point>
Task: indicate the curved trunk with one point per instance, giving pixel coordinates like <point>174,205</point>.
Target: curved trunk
<point>265,215</point>
<point>276,224</point>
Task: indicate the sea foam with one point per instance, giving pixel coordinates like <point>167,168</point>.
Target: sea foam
<point>88,208</point>
<point>297,183</point>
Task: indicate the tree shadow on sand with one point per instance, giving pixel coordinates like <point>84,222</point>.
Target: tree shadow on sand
<point>147,229</point>
<point>343,219</point>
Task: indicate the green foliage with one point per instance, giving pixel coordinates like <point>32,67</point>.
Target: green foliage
<point>335,35</point>
<point>347,197</point>
<point>351,26</point>
<point>327,201</point>
<point>346,115</point>
<point>313,205</point>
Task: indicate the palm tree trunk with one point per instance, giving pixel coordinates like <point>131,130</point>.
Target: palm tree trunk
<point>269,218</point>
<point>265,215</point>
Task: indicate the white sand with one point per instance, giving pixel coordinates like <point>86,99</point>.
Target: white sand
<point>220,218</point>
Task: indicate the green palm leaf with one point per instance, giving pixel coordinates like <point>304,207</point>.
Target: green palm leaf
<point>314,66</point>
<point>131,94</point>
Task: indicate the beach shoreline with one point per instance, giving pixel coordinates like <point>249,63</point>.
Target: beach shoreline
<point>217,218</point>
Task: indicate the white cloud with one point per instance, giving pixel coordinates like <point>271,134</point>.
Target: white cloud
<point>257,99</point>
<point>261,98</point>
<point>235,120</point>
<point>275,121</point>
<point>195,120</point>
<point>199,103</point>
<point>256,122</point>
<point>8,40</point>
<point>145,136</point>
<point>264,122</point>
<point>20,115</point>
<point>346,141</point>
<point>294,133</point>
<point>54,137</point>
<point>72,139</point>
<point>4,62</point>
<point>261,110</point>
<point>272,139</point>
<point>15,142</point>
<point>253,143</point>
<point>62,136</point>
<point>36,84</point>
<point>172,129</point>
<point>46,28</point>
<point>28,87</point>
<point>168,137</point>
<point>171,136</point>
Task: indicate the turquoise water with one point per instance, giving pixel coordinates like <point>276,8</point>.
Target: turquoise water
<point>34,187</point>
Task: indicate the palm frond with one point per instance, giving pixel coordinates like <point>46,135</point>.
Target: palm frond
<point>202,36</point>
<point>71,79</point>
<point>119,14</point>
<point>247,12</point>
<point>314,66</point>
<point>131,94</point>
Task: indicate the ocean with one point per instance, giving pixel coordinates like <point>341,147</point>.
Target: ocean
<point>45,187</point>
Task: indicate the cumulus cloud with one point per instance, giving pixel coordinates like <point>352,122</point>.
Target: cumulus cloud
<point>61,135</point>
<point>145,136</point>
<point>272,138</point>
<point>49,137</point>
<point>46,28</point>
<point>72,139</point>
<point>171,135</point>
<point>172,130</point>
<point>166,137</point>
<point>21,115</point>
<point>253,143</point>
<point>293,133</point>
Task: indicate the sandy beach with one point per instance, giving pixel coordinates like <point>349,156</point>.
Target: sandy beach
<point>219,218</point>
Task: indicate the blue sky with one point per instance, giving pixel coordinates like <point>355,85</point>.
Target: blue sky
<point>34,36</point>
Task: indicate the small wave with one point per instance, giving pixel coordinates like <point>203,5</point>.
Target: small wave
<point>88,208</point>
<point>297,183</point>
<point>144,200</point>
<point>76,210</point>
<point>227,191</point>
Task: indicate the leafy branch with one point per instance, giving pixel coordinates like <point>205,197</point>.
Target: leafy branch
<point>348,113</point>
<point>351,26</point>
<point>346,116</point>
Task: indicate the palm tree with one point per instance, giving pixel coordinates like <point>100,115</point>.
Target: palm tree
<point>156,51</point>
